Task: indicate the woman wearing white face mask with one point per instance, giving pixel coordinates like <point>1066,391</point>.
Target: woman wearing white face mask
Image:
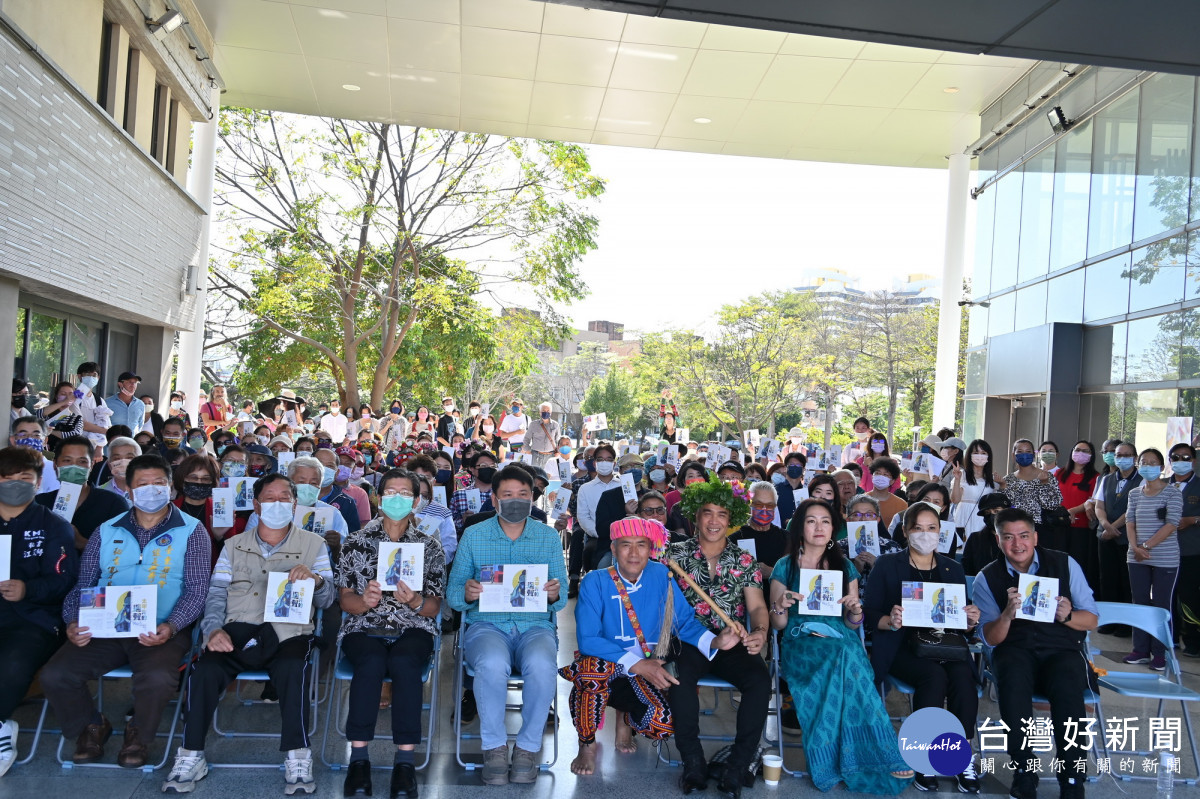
<point>898,650</point>
<point>971,482</point>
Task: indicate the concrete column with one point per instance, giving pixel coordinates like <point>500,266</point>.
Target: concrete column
<point>200,185</point>
<point>945,386</point>
<point>9,292</point>
<point>154,348</point>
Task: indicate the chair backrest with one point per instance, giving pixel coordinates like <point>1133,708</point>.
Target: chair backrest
<point>970,586</point>
<point>1147,618</point>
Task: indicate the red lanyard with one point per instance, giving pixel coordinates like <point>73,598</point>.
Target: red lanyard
<point>633,619</point>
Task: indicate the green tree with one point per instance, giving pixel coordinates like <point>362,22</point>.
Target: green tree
<point>615,394</point>
<point>351,242</point>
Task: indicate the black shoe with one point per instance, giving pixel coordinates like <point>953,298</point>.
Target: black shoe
<point>925,782</point>
<point>269,694</point>
<point>467,708</point>
<point>1024,785</point>
<point>358,778</point>
<point>573,591</point>
<point>789,722</point>
<point>404,781</point>
<point>730,784</point>
<point>1070,788</point>
<point>694,776</point>
<point>1191,652</point>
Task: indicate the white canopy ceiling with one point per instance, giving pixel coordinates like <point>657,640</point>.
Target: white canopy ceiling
<point>528,68</point>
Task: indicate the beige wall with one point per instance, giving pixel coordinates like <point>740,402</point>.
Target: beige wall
<point>76,46</point>
<point>142,128</point>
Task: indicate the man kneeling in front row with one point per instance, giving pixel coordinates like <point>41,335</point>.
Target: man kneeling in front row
<point>622,670</point>
<point>236,638</point>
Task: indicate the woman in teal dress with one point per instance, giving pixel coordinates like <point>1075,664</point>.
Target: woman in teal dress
<point>848,736</point>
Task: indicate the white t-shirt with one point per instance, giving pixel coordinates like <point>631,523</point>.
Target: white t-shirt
<point>335,426</point>
<point>515,424</point>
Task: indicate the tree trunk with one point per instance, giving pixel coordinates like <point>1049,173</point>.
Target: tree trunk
<point>828,416</point>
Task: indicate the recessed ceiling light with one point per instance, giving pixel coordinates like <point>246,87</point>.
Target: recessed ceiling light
<point>702,120</point>
<point>951,90</point>
<point>350,87</point>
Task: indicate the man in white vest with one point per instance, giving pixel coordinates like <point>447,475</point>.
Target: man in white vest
<point>250,624</point>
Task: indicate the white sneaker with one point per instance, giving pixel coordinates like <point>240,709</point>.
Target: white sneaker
<point>8,746</point>
<point>298,766</point>
<point>190,767</point>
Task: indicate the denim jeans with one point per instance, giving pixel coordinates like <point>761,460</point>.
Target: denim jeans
<point>494,653</point>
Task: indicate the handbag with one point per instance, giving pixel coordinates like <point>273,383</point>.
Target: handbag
<point>940,645</point>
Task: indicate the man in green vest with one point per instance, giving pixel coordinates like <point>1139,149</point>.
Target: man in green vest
<point>152,544</point>
<point>276,571</point>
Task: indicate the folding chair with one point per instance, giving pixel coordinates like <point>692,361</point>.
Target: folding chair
<point>126,673</point>
<point>261,675</point>
<point>717,685</point>
<point>37,732</point>
<point>515,683</point>
<point>775,678</point>
<point>1148,685</point>
<point>343,673</point>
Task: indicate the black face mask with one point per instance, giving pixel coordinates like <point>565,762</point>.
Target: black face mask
<point>18,400</point>
<point>537,494</point>
<point>486,474</point>
<point>197,490</point>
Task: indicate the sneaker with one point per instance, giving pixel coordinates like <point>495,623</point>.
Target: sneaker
<point>968,781</point>
<point>1024,785</point>
<point>925,782</point>
<point>8,746</point>
<point>1136,659</point>
<point>298,777</point>
<point>1070,788</point>
<point>495,766</point>
<point>524,766</point>
<point>190,767</point>
<point>1159,663</point>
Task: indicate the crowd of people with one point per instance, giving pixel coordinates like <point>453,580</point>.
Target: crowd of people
<point>678,568</point>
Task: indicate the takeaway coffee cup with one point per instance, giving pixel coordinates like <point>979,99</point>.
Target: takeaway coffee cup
<point>772,767</point>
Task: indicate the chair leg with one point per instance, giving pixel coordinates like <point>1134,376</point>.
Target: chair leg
<point>37,734</point>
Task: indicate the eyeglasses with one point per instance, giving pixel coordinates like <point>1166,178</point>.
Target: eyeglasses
<point>391,493</point>
<point>864,517</point>
<point>660,510</point>
<point>762,505</point>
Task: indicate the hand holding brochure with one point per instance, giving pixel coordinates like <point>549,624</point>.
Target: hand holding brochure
<point>820,590</point>
<point>288,601</point>
<point>863,537</point>
<point>939,605</point>
<point>400,562</point>
<point>513,588</point>
<point>1039,597</point>
<point>119,611</point>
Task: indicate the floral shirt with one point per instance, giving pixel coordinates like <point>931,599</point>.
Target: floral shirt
<point>736,571</point>
<point>358,565</point>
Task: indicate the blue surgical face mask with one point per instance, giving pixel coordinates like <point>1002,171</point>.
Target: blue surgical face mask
<point>1150,472</point>
<point>1023,459</point>
<point>516,409</point>
<point>1124,464</point>
<point>1180,468</point>
<point>779,478</point>
<point>306,494</point>
<point>327,477</point>
<point>795,471</point>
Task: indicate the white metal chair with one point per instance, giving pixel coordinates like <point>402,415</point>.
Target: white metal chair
<point>515,683</point>
<point>343,673</point>
<point>775,679</point>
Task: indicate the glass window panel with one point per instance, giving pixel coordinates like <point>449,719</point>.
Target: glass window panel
<point>977,324</point>
<point>121,349</point>
<point>1006,238</point>
<point>84,340</point>
<point>1031,306</point>
<point>1094,417</point>
<point>1064,298</point>
<point>1072,188</point>
<point>1158,274</point>
<point>19,361</point>
<point>1192,256</point>
<point>1036,214</point>
<point>1106,286</point>
<point>1104,355</point>
<point>1164,158</point>
<point>1189,346</point>
<point>1000,315</point>
<point>985,210</point>
<point>1153,349</point>
<point>1153,408</point>
<point>976,378</point>
<point>1114,160</point>
<point>972,419</point>
<point>44,363</point>
<point>1189,406</point>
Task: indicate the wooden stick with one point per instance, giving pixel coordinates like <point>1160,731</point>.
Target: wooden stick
<point>687,578</point>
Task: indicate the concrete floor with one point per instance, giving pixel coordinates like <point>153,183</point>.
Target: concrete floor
<point>619,776</point>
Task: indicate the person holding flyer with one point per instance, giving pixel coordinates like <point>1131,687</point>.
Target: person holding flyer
<point>495,643</point>
<point>895,649</point>
<point>388,632</point>
<point>1030,657</point>
<point>38,567</point>
<point>153,544</point>
<point>237,636</point>
<point>848,736</point>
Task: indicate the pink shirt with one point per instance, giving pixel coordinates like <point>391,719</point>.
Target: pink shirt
<point>360,500</point>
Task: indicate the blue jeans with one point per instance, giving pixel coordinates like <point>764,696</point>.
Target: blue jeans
<point>494,653</point>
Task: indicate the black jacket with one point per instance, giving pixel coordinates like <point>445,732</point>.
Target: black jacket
<point>883,593</point>
<point>43,555</point>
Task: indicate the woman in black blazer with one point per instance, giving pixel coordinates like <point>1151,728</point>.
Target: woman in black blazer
<point>935,683</point>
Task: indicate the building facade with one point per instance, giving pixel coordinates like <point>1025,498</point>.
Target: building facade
<point>1086,303</point>
<point>98,233</point>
